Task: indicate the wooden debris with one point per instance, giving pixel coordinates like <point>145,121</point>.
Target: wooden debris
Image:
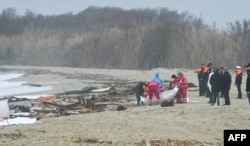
<point>75,102</point>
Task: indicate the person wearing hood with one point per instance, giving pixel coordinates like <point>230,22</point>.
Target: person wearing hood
<point>157,78</point>
<point>238,80</point>
<point>248,82</point>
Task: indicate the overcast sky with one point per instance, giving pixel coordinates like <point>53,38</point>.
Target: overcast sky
<point>219,11</point>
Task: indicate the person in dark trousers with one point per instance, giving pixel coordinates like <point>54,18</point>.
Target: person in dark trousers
<point>238,80</point>
<point>204,79</point>
<point>222,86</point>
<point>215,82</point>
<point>248,82</point>
<point>200,71</point>
<point>209,85</point>
<point>226,84</point>
<point>139,91</point>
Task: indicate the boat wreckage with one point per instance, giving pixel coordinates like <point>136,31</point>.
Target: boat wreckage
<point>26,109</point>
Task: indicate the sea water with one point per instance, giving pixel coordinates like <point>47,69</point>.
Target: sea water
<point>8,88</point>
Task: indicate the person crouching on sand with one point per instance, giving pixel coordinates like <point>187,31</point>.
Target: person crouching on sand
<point>172,83</point>
<point>154,88</point>
<point>139,91</point>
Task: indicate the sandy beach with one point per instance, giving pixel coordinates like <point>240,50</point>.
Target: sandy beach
<point>194,123</point>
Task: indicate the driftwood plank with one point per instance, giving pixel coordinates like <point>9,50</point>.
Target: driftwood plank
<point>65,107</point>
<point>107,103</point>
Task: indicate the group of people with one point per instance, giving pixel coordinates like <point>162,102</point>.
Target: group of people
<point>155,87</point>
<point>216,82</point>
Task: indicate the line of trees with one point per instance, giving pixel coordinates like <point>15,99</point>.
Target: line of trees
<point>115,38</point>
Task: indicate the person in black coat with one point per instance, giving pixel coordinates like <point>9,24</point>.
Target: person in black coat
<point>204,79</point>
<point>238,81</point>
<point>200,71</point>
<point>248,82</point>
<point>222,86</point>
<point>139,91</point>
<point>215,82</point>
<point>226,85</point>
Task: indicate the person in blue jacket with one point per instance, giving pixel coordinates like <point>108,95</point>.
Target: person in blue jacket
<point>157,78</point>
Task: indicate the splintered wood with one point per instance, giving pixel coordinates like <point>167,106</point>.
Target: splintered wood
<point>61,105</point>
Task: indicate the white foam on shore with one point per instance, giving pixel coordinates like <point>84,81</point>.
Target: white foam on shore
<point>15,88</point>
<point>4,84</point>
<point>4,77</point>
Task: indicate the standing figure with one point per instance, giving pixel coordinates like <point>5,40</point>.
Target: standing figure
<point>204,79</point>
<point>183,87</point>
<point>238,80</point>
<point>248,82</point>
<point>222,85</point>
<point>226,84</point>
<point>139,91</point>
<point>200,71</point>
<point>154,88</point>
<point>209,85</point>
<point>215,82</point>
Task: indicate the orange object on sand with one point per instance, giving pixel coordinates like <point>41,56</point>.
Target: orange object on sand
<point>49,97</point>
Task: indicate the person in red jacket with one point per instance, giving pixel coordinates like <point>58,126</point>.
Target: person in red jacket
<point>175,82</point>
<point>183,87</point>
<point>154,88</point>
<point>172,83</point>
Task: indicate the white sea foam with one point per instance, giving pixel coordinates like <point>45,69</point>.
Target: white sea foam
<point>4,77</point>
<point>16,88</point>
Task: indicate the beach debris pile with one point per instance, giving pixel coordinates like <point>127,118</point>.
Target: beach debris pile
<point>115,94</point>
<point>88,100</point>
